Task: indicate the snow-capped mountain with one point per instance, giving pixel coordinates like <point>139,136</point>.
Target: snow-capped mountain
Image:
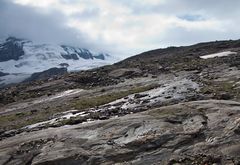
<point>19,58</point>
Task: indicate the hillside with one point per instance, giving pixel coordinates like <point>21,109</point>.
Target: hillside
<point>178,105</point>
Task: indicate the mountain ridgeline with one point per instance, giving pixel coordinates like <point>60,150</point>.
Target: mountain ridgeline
<point>13,49</point>
<point>19,58</point>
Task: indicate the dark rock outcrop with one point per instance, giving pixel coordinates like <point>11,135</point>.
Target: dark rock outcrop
<point>12,49</point>
<point>75,53</point>
<point>47,74</point>
<point>100,56</point>
<point>3,74</point>
<point>70,56</point>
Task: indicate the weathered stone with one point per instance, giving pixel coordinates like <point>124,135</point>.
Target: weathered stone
<point>138,95</point>
<point>186,137</point>
<point>225,96</point>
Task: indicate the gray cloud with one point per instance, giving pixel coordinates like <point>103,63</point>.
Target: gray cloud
<point>226,12</point>
<point>216,8</point>
<point>25,22</point>
<point>29,23</point>
<point>122,28</point>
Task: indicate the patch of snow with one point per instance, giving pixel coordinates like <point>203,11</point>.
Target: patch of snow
<point>59,95</point>
<point>175,90</point>
<point>40,124</point>
<point>57,119</point>
<point>221,54</point>
<point>13,78</point>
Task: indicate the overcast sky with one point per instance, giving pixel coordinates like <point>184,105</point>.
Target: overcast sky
<point>120,27</point>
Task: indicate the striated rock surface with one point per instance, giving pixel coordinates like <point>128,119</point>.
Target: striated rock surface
<point>200,132</point>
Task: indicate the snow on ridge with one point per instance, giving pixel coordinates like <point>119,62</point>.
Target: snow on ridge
<point>42,52</point>
<point>221,54</point>
<point>40,57</point>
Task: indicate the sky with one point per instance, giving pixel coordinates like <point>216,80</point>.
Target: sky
<point>120,27</point>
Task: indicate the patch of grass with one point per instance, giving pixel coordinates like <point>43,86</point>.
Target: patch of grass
<point>71,121</point>
<point>188,64</point>
<point>21,119</point>
<point>15,121</point>
<point>161,113</point>
<point>167,111</point>
<point>217,88</point>
<point>107,98</point>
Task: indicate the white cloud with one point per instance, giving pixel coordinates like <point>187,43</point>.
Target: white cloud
<point>37,3</point>
<point>129,27</point>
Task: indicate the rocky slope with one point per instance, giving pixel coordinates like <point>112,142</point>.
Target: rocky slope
<point>21,58</point>
<point>201,132</point>
<point>179,105</point>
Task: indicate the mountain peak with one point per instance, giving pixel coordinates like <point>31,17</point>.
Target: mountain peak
<point>21,56</point>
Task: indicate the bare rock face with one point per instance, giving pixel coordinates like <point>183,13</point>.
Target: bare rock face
<point>12,49</point>
<point>3,74</point>
<point>200,132</point>
<point>47,74</point>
